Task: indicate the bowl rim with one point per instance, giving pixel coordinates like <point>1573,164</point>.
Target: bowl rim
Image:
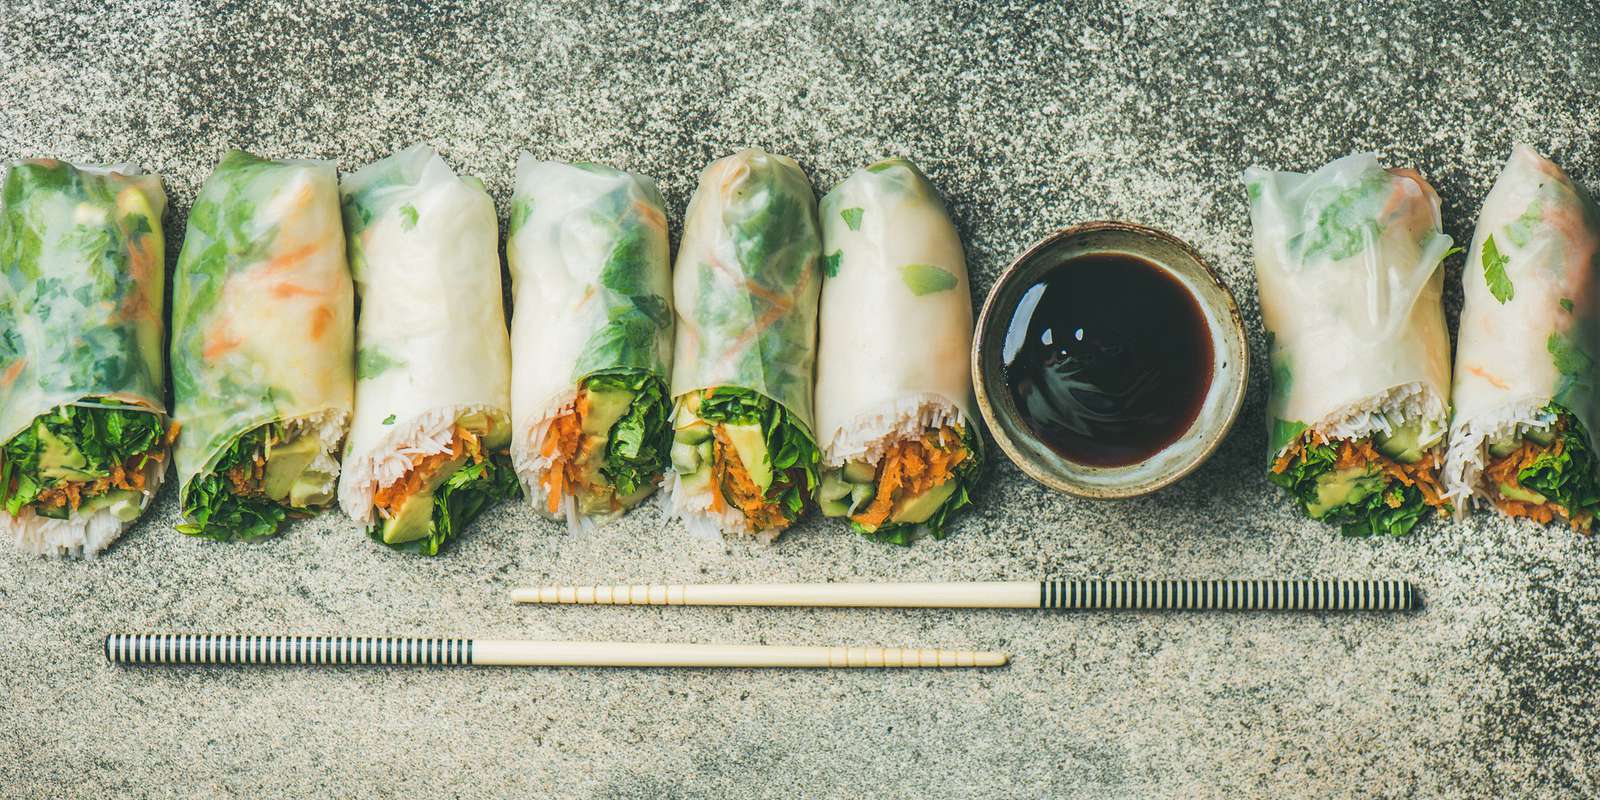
<point>1233,404</point>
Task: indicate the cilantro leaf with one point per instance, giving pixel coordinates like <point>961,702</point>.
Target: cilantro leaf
<point>1494,272</point>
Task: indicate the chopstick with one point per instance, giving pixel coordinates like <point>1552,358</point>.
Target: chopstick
<point>1087,595</point>
<point>235,649</point>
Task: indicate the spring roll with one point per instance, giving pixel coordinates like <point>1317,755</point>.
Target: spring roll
<point>84,428</point>
<point>900,450</point>
<point>744,458</point>
<point>263,352</point>
<point>429,447</point>
<point>592,334</point>
<point>1348,264</point>
<point>1522,439</point>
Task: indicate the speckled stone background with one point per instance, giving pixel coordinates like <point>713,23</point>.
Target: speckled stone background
<point>1027,119</point>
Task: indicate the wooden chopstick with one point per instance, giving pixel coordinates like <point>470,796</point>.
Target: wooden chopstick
<point>235,649</point>
<point>1087,595</point>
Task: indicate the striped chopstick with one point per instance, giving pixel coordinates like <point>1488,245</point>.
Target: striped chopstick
<point>132,649</point>
<point>1089,595</point>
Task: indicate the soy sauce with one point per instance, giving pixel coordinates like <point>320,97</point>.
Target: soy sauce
<point>1108,359</point>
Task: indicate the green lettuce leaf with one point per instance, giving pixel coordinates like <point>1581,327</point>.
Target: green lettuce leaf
<point>1494,272</point>
<point>636,452</point>
<point>214,512</point>
<point>1566,478</point>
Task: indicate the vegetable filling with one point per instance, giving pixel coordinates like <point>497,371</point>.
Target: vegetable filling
<point>269,474</point>
<point>443,492</point>
<point>1545,473</point>
<point>747,452</point>
<point>84,459</point>
<point>1374,485</point>
<point>608,452</point>
<point>917,483</point>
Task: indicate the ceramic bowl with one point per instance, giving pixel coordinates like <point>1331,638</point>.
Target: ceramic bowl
<point>1230,357</point>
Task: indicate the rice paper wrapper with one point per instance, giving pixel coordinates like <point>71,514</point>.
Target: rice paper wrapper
<point>896,312</point>
<point>432,340</point>
<point>1348,267</point>
<point>591,282</point>
<point>83,265</point>
<point>262,308</point>
<point>1530,326</point>
<point>747,280</point>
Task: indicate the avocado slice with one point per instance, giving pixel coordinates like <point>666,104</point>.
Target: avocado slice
<point>1519,494</point>
<point>286,461</point>
<point>494,431</point>
<point>693,433</point>
<point>412,521</point>
<point>1402,443</point>
<point>833,508</point>
<point>60,459</point>
<point>605,408</point>
<point>313,488</point>
<point>750,442</point>
<point>919,509</point>
<point>1343,487</point>
<point>410,524</point>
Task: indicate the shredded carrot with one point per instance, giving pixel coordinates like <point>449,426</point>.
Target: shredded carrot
<point>284,291</point>
<point>913,467</point>
<point>1488,376</point>
<point>12,372</point>
<point>423,469</point>
<point>289,260</point>
<point>320,318</point>
<point>737,488</point>
<point>1504,471</point>
<point>561,444</point>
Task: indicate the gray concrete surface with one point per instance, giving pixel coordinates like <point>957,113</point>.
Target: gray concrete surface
<point>1027,119</point>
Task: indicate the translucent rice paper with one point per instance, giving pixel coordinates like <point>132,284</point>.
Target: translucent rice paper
<point>262,307</point>
<point>1532,335</point>
<point>747,280</point>
<point>1348,270</point>
<point>83,266</point>
<point>896,318</point>
<point>432,340</point>
<point>591,280</point>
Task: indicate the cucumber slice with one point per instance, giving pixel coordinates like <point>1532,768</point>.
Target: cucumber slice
<point>833,487</point>
<point>833,508</point>
<point>685,458</point>
<point>860,472</point>
<point>1504,446</point>
<point>1541,436</point>
<point>860,495</point>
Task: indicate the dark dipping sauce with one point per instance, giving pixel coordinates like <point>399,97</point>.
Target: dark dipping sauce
<point>1108,359</point>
